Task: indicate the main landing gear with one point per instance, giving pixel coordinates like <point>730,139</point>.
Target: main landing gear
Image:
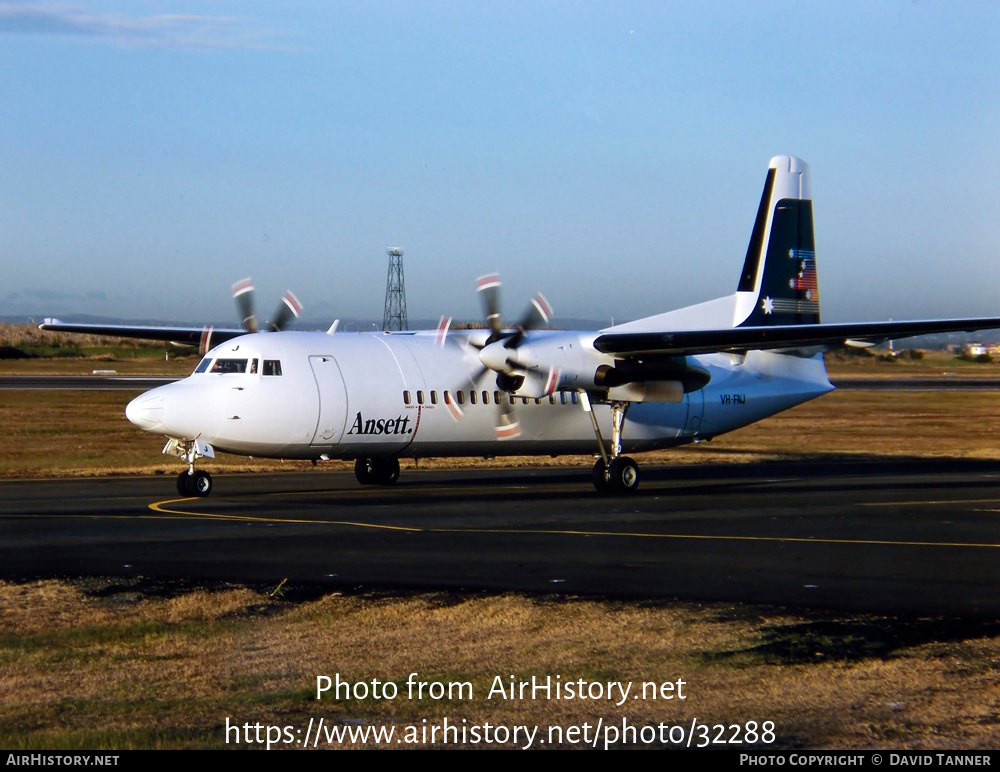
<point>613,473</point>
<point>377,471</point>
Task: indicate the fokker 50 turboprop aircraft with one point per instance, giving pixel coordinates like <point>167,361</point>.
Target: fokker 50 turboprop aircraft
<point>657,382</point>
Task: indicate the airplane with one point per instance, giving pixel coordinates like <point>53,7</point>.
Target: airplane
<point>678,377</point>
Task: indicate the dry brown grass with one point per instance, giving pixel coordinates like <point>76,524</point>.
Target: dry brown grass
<point>83,668</point>
<point>933,363</point>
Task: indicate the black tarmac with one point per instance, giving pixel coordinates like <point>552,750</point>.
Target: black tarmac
<point>910,536</point>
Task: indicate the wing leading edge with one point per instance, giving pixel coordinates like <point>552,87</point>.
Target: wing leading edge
<point>739,340</point>
<point>203,337</point>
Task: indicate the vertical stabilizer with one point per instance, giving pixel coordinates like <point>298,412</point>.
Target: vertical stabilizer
<point>778,284</point>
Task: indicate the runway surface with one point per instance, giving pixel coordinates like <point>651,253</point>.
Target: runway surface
<point>922,383</point>
<point>908,537</point>
<point>82,382</point>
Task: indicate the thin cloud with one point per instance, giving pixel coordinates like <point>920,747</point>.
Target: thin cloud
<point>162,31</point>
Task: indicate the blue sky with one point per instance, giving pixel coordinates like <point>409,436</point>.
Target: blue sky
<point>610,155</point>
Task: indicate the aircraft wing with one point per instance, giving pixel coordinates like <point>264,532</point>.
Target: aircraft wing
<point>739,340</point>
<point>203,337</point>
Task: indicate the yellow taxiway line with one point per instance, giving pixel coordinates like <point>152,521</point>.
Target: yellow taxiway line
<point>162,507</point>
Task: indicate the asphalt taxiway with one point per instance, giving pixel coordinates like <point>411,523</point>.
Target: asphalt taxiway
<point>82,382</point>
<point>908,536</point>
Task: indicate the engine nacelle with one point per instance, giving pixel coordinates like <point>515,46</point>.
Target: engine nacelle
<point>551,361</point>
<point>681,370</point>
<point>648,391</point>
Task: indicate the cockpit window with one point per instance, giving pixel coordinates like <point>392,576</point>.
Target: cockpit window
<point>272,367</point>
<point>203,365</point>
<point>229,366</point>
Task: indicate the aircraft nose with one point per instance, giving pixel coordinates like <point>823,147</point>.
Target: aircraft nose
<point>146,412</point>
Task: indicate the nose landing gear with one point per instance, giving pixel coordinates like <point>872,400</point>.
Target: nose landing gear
<point>191,482</point>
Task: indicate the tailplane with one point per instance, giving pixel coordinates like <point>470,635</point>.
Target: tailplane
<point>778,284</point>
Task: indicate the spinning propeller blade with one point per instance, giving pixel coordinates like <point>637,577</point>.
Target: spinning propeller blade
<point>288,309</point>
<point>488,288</point>
<point>243,295</point>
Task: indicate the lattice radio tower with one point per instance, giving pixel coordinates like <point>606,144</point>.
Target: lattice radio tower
<point>394,317</point>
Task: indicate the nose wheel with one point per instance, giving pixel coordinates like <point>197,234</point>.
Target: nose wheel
<point>197,483</point>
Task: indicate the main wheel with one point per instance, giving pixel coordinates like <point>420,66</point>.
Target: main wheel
<point>599,476</point>
<point>377,471</point>
<point>364,470</point>
<point>198,484</point>
<point>624,475</point>
<point>386,471</point>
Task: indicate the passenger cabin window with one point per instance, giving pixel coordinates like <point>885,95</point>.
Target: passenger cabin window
<point>460,395</point>
<point>420,397</point>
<point>203,365</point>
<point>229,366</point>
<point>434,397</point>
<point>406,397</point>
<point>272,367</point>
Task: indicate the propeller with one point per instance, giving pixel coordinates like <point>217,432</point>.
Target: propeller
<point>537,315</point>
<point>499,352</point>
<point>288,309</point>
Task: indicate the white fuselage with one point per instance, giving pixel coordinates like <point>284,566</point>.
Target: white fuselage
<point>357,395</point>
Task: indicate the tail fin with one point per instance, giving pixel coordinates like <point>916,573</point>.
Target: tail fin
<point>778,284</point>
